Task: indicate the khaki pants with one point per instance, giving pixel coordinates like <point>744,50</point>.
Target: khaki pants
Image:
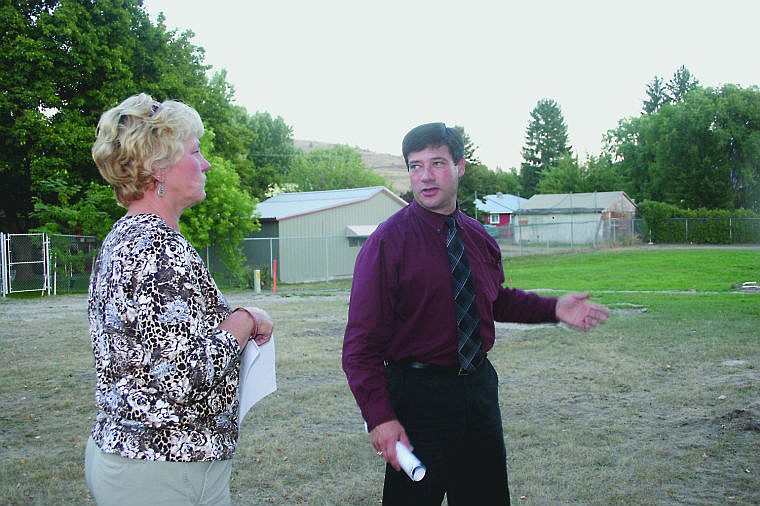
<point>115,480</point>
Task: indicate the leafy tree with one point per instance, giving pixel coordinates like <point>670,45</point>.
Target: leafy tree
<point>595,175</point>
<point>66,61</point>
<point>273,141</point>
<point>545,143</point>
<point>91,215</point>
<point>271,151</point>
<point>737,125</point>
<point>479,180</point>
<point>224,218</point>
<point>603,176</point>
<point>701,152</point>
<point>565,177</point>
<point>333,168</point>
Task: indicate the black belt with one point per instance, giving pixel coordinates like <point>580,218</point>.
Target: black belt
<point>440,369</point>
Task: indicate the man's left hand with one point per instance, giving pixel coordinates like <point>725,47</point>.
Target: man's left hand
<point>577,311</point>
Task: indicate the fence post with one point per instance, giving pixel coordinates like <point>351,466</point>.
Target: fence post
<point>272,263</point>
<point>46,263</point>
<point>4,265</point>
<point>327,259</point>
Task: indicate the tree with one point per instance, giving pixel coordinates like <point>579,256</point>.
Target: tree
<point>479,180</point>
<point>545,143</point>
<point>603,176</point>
<point>657,95</point>
<point>680,84</point>
<point>470,157</point>
<point>66,61</point>
<point>224,218</point>
<point>91,215</point>
<point>594,175</point>
<point>700,152</point>
<point>70,61</point>
<point>565,177</point>
<point>333,168</point>
<point>271,151</point>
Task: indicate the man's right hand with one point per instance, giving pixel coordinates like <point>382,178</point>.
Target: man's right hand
<point>384,437</point>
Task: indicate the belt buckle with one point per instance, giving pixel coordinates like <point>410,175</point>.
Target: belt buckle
<point>462,372</point>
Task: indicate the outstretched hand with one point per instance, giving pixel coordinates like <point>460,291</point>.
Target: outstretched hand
<point>576,310</point>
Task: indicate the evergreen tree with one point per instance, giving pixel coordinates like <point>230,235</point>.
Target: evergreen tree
<point>680,84</point>
<point>546,141</point>
<point>657,95</point>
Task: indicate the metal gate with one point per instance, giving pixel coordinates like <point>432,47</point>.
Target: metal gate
<point>25,263</point>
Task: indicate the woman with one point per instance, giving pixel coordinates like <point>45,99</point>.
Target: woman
<point>165,341</point>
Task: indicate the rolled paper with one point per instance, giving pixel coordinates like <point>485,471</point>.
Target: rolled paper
<point>410,463</point>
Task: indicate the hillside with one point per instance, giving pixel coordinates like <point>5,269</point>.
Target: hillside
<point>391,167</point>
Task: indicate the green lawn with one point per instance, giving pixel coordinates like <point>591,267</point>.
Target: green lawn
<point>652,269</point>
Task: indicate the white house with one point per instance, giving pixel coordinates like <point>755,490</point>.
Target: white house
<point>575,218</point>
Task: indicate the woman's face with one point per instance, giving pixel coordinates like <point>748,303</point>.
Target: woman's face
<point>185,181</point>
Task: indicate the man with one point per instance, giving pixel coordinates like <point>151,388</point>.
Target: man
<point>418,375</point>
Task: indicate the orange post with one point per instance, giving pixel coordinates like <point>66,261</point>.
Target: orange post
<point>274,275</point>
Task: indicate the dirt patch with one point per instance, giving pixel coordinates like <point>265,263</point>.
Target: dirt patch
<point>741,419</point>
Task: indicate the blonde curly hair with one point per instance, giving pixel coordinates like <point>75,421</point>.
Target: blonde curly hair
<point>138,137</point>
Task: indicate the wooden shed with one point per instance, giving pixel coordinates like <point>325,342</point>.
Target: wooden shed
<point>317,235</point>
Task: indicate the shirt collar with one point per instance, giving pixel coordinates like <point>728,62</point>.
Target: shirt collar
<point>435,220</point>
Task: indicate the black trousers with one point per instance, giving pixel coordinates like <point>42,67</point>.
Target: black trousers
<point>454,424</point>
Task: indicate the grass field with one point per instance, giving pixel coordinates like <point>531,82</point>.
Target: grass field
<point>659,406</point>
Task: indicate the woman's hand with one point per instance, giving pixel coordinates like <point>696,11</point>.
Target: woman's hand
<point>246,323</point>
<point>264,326</point>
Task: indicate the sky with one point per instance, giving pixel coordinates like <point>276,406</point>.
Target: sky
<point>364,73</point>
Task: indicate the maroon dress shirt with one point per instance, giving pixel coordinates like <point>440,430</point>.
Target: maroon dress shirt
<point>401,305</point>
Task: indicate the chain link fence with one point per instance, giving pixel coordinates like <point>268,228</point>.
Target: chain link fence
<point>707,231</point>
<point>63,263</point>
<point>565,236</point>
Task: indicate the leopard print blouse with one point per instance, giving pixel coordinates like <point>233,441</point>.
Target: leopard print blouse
<point>166,376</point>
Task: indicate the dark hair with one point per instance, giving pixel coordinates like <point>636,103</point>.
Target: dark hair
<point>432,135</point>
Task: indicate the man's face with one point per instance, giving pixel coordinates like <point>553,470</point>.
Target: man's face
<point>435,178</point>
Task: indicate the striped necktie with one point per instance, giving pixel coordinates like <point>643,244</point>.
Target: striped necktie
<point>468,322</point>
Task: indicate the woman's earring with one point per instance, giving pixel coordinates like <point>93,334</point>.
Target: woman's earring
<point>161,189</point>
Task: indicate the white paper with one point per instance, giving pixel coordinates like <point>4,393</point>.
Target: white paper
<point>257,375</point>
<point>409,462</point>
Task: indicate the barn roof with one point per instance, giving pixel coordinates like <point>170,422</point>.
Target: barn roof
<point>290,205</point>
<point>499,203</point>
<point>574,202</point>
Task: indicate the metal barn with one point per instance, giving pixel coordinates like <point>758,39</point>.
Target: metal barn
<point>316,235</point>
